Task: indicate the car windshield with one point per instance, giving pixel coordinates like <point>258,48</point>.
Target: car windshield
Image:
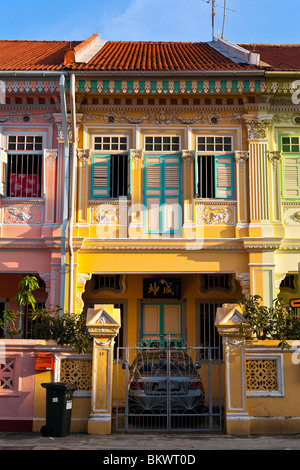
<point>160,364</point>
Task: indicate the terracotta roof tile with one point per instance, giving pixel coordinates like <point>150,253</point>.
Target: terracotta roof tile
<point>158,56</point>
<point>33,55</point>
<point>284,57</point>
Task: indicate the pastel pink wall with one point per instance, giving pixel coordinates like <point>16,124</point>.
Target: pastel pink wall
<point>17,401</point>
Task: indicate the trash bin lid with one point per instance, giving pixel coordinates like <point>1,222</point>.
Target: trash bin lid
<point>59,385</point>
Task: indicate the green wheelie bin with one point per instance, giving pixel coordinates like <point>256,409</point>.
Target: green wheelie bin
<point>59,401</point>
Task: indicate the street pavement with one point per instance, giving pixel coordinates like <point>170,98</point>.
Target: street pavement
<point>171,444</point>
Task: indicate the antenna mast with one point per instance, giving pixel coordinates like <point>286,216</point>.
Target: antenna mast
<point>224,19</point>
<point>213,4</point>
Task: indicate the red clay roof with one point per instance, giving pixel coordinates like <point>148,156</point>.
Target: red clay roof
<point>280,57</point>
<point>33,55</point>
<point>158,56</point>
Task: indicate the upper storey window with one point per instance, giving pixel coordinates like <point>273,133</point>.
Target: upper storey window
<point>290,148</point>
<point>214,167</point>
<point>110,167</point>
<point>160,143</point>
<point>23,169</point>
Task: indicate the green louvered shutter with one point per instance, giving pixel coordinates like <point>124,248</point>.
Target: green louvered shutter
<point>100,186</point>
<point>291,177</point>
<point>171,211</point>
<point>153,193</point>
<point>163,193</point>
<point>224,176</point>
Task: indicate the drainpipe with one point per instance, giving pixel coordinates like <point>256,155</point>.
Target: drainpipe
<point>65,190</point>
<point>72,193</point>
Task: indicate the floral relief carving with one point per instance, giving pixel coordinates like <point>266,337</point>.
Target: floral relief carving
<point>22,215</point>
<point>104,215</point>
<point>213,215</point>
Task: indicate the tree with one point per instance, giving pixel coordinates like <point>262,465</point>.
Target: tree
<point>278,322</point>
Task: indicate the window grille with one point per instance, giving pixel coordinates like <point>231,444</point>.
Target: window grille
<point>106,282</point>
<point>158,143</point>
<point>216,282</point>
<point>119,175</point>
<point>24,165</point>
<point>215,176</point>
<point>290,144</point>
<point>214,144</point>
<point>111,143</point>
<point>206,176</point>
<point>209,336</point>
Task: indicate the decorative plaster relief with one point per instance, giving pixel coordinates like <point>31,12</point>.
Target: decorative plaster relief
<point>291,215</point>
<point>104,215</point>
<point>216,215</point>
<point>23,214</point>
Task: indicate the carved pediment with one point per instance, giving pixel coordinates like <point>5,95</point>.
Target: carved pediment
<point>103,318</point>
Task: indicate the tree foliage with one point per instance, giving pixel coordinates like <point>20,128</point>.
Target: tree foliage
<point>277,322</point>
<point>49,324</point>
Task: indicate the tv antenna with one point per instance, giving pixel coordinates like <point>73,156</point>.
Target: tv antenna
<point>213,6</point>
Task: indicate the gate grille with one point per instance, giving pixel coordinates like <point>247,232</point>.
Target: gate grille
<point>168,389</point>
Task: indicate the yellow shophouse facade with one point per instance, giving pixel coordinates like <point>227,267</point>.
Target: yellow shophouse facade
<point>183,201</point>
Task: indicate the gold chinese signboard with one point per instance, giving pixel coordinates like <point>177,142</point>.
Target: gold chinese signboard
<point>161,288</point>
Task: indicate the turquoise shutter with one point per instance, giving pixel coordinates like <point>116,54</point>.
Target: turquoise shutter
<point>171,210</point>
<point>224,176</point>
<point>100,185</point>
<point>153,193</point>
<point>291,177</point>
<point>3,165</point>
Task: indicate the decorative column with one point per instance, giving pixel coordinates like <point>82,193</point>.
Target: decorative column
<point>50,162</point>
<point>241,156</point>
<point>233,327</point>
<point>274,158</point>
<point>137,211</point>
<point>103,323</point>
<point>81,280</point>
<point>84,158</point>
<point>189,227</point>
<point>258,174</point>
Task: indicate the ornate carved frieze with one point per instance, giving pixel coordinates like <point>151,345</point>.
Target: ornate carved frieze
<point>188,157</point>
<point>137,157</point>
<point>241,156</point>
<point>215,215</point>
<point>244,280</point>
<point>84,156</point>
<point>23,214</point>
<point>257,126</point>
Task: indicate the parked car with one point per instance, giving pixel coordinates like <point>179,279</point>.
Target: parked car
<point>160,381</point>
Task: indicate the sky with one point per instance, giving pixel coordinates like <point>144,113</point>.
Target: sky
<point>246,21</point>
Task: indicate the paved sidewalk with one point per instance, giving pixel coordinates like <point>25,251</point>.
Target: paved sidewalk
<point>172,443</point>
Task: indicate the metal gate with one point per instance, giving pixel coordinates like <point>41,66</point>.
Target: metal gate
<point>168,389</point>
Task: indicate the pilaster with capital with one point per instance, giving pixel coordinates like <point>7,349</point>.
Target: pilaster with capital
<point>50,162</point>
<point>241,157</point>
<point>274,158</point>
<point>257,126</point>
<point>136,211</point>
<point>188,166</point>
<point>83,160</point>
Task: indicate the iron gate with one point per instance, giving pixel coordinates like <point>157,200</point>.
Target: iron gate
<point>168,389</point>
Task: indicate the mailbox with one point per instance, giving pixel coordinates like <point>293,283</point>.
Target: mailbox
<point>44,361</point>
